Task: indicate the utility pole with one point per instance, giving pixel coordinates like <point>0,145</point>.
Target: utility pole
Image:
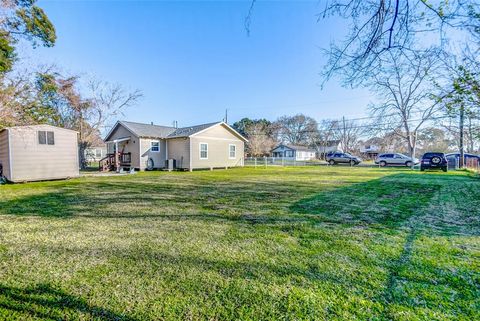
<point>344,137</point>
<point>461,162</point>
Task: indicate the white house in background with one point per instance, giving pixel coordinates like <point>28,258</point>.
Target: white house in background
<point>294,152</point>
<point>38,152</point>
<point>329,146</point>
<point>370,151</point>
<point>95,153</point>
<point>148,146</point>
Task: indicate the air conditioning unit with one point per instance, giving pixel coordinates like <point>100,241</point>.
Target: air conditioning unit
<point>170,164</point>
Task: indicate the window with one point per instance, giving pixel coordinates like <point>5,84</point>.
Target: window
<point>46,137</point>
<point>155,146</point>
<point>203,151</point>
<point>98,153</point>
<point>232,149</point>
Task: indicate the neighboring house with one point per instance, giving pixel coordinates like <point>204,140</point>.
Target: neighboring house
<point>38,152</point>
<point>329,146</point>
<point>296,152</point>
<point>148,146</point>
<point>95,154</point>
<point>370,151</point>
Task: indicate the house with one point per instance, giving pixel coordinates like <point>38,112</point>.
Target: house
<point>370,151</point>
<point>148,146</point>
<point>38,152</point>
<point>329,146</point>
<point>294,152</point>
<point>97,149</point>
<point>95,153</point>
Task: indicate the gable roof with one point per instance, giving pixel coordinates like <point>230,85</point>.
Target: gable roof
<point>156,131</point>
<point>188,131</point>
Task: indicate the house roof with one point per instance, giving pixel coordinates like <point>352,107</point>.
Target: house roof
<point>188,131</point>
<point>156,131</point>
<point>296,147</point>
<point>147,130</point>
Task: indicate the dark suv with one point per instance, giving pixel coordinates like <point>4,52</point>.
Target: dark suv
<point>434,160</point>
<point>339,157</point>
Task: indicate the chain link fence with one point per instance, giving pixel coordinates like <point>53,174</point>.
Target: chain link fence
<point>279,161</point>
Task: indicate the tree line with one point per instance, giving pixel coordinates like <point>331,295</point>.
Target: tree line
<point>353,135</point>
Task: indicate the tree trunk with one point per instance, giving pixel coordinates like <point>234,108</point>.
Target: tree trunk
<point>461,163</point>
<point>82,146</point>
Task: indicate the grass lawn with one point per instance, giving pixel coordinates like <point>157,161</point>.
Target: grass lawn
<point>313,243</point>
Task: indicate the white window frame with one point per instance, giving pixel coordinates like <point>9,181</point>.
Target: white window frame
<point>200,150</point>
<point>151,146</point>
<point>230,152</point>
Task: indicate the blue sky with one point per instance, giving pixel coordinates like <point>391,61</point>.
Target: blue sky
<point>193,59</point>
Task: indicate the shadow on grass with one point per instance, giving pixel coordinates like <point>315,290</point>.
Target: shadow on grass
<point>45,302</point>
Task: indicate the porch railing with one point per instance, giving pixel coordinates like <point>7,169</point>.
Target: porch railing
<point>109,162</point>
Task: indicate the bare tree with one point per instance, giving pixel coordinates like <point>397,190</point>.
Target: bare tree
<point>86,112</point>
<point>298,129</point>
<point>380,29</point>
<point>349,134</point>
<point>260,142</point>
<point>407,101</point>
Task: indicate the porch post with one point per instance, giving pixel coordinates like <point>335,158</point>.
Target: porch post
<point>117,163</point>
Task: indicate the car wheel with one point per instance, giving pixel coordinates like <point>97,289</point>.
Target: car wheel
<point>445,169</point>
<point>352,163</point>
<point>421,169</point>
<point>408,164</point>
<point>383,163</point>
<point>331,162</point>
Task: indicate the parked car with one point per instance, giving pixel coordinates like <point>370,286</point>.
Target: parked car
<point>434,161</point>
<point>345,158</point>
<point>395,159</point>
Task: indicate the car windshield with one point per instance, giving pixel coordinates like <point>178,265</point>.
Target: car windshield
<point>347,154</point>
<point>401,155</point>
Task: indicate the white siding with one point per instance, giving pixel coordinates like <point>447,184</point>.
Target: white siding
<point>31,161</point>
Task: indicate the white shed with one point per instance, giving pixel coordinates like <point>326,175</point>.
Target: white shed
<point>38,152</point>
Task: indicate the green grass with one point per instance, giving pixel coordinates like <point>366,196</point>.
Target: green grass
<point>311,243</point>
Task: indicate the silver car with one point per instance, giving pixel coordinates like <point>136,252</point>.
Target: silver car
<point>345,158</point>
<point>395,159</point>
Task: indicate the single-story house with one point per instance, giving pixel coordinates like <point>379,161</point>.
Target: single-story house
<point>95,153</point>
<point>148,146</point>
<point>329,146</point>
<point>293,152</point>
<point>38,152</point>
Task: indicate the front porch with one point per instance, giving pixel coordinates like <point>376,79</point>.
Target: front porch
<point>118,157</point>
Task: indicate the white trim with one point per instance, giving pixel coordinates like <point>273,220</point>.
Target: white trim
<point>200,151</point>
<point>115,126</point>
<point>155,141</point>
<point>10,154</point>
<point>190,153</point>
<point>235,150</point>
<point>119,140</point>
